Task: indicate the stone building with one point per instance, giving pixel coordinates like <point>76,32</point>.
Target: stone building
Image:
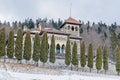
<point>70,28</point>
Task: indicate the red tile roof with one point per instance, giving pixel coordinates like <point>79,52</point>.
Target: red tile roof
<point>71,20</point>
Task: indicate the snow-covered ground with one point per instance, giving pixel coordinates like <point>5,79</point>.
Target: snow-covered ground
<point>14,71</point>
<point>10,71</point>
<point>8,75</point>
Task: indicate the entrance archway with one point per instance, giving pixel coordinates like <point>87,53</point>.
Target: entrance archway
<point>63,49</point>
<point>58,49</point>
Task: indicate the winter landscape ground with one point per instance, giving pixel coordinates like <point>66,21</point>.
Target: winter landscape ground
<point>15,71</point>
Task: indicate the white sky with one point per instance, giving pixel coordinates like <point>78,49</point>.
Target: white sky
<point>93,10</point>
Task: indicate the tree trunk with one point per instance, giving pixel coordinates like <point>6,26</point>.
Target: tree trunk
<point>118,73</point>
<point>71,67</point>
<point>36,63</point>
<point>20,61</point>
<point>26,61</point>
<point>77,67</point>
<point>97,71</point>
<point>4,59</point>
<point>82,69</point>
<point>43,64</point>
<point>105,71</point>
<point>90,70</point>
<point>9,60</point>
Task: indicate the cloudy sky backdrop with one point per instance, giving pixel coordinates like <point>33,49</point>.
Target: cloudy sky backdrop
<point>93,10</point>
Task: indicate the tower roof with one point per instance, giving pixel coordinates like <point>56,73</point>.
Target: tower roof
<point>71,20</point>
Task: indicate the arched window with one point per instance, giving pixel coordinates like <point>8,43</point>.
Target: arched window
<point>72,28</point>
<point>68,27</point>
<point>63,49</point>
<point>76,28</point>
<point>57,48</point>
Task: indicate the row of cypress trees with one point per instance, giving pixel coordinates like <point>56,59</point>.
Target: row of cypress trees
<point>74,61</point>
<point>40,51</point>
<point>21,51</point>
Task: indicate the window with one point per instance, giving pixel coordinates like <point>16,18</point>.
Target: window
<point>65,28</point>
<point>72,28</point>
<point>68,27</point>
<point>76,28</point>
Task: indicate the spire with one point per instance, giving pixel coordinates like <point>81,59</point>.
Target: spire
<point>70,8</point>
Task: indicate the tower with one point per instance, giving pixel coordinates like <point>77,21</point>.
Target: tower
<point>71,26</point>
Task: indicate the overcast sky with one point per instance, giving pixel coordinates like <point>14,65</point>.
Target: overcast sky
<point>93,10</point>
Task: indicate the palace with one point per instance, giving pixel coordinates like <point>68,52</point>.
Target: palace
<point>70,28</point>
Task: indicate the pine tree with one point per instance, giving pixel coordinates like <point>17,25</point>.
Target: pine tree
<point>18,47</point>
<point>99,59</point>
<point>74,55</point>
<point>90,57</point>
<point>118,61</point>
<point>105,58</point>
<point>36,48</point>
<point>83,57</point>
<point>10,46</point>
<point>52,50</point>
<point>27,47</point>
<point>2,42</point>
<point>44,49</point>
<point>68,52</point>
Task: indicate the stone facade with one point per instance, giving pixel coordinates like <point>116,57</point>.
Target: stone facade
<point>70,29</point>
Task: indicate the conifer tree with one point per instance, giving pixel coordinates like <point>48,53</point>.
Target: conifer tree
<point>74,55</point>
<point>99,59</point>
<point>18,47</point>
<point>2,42</point>
<point>27,47</point>
<point>105,59</point>
<point>90,57</point>
<point>68,52</point>
<point>36,48</point>
<point>118,61</point>
<point>10,46</point>
<point>44,49</point>
<point>83,57</point>
<point>52,50</point>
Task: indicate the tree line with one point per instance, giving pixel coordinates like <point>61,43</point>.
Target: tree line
<point>30,23</point>
<point>22,49</point>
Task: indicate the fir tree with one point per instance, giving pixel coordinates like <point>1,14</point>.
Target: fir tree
<point>2,42</point>
<point>74,55</point>
<point>99,59</point>
<point>105,59</point>
<point>44,49</point>
<point>90,57</point>
<point>27,47</point>
<point>83,57</point>
<point>52,50</point>
<point>36,48</point>
<point>18,47</point>
<point>118,61</point>
<point>68,52</point>
<point>10,46</point>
